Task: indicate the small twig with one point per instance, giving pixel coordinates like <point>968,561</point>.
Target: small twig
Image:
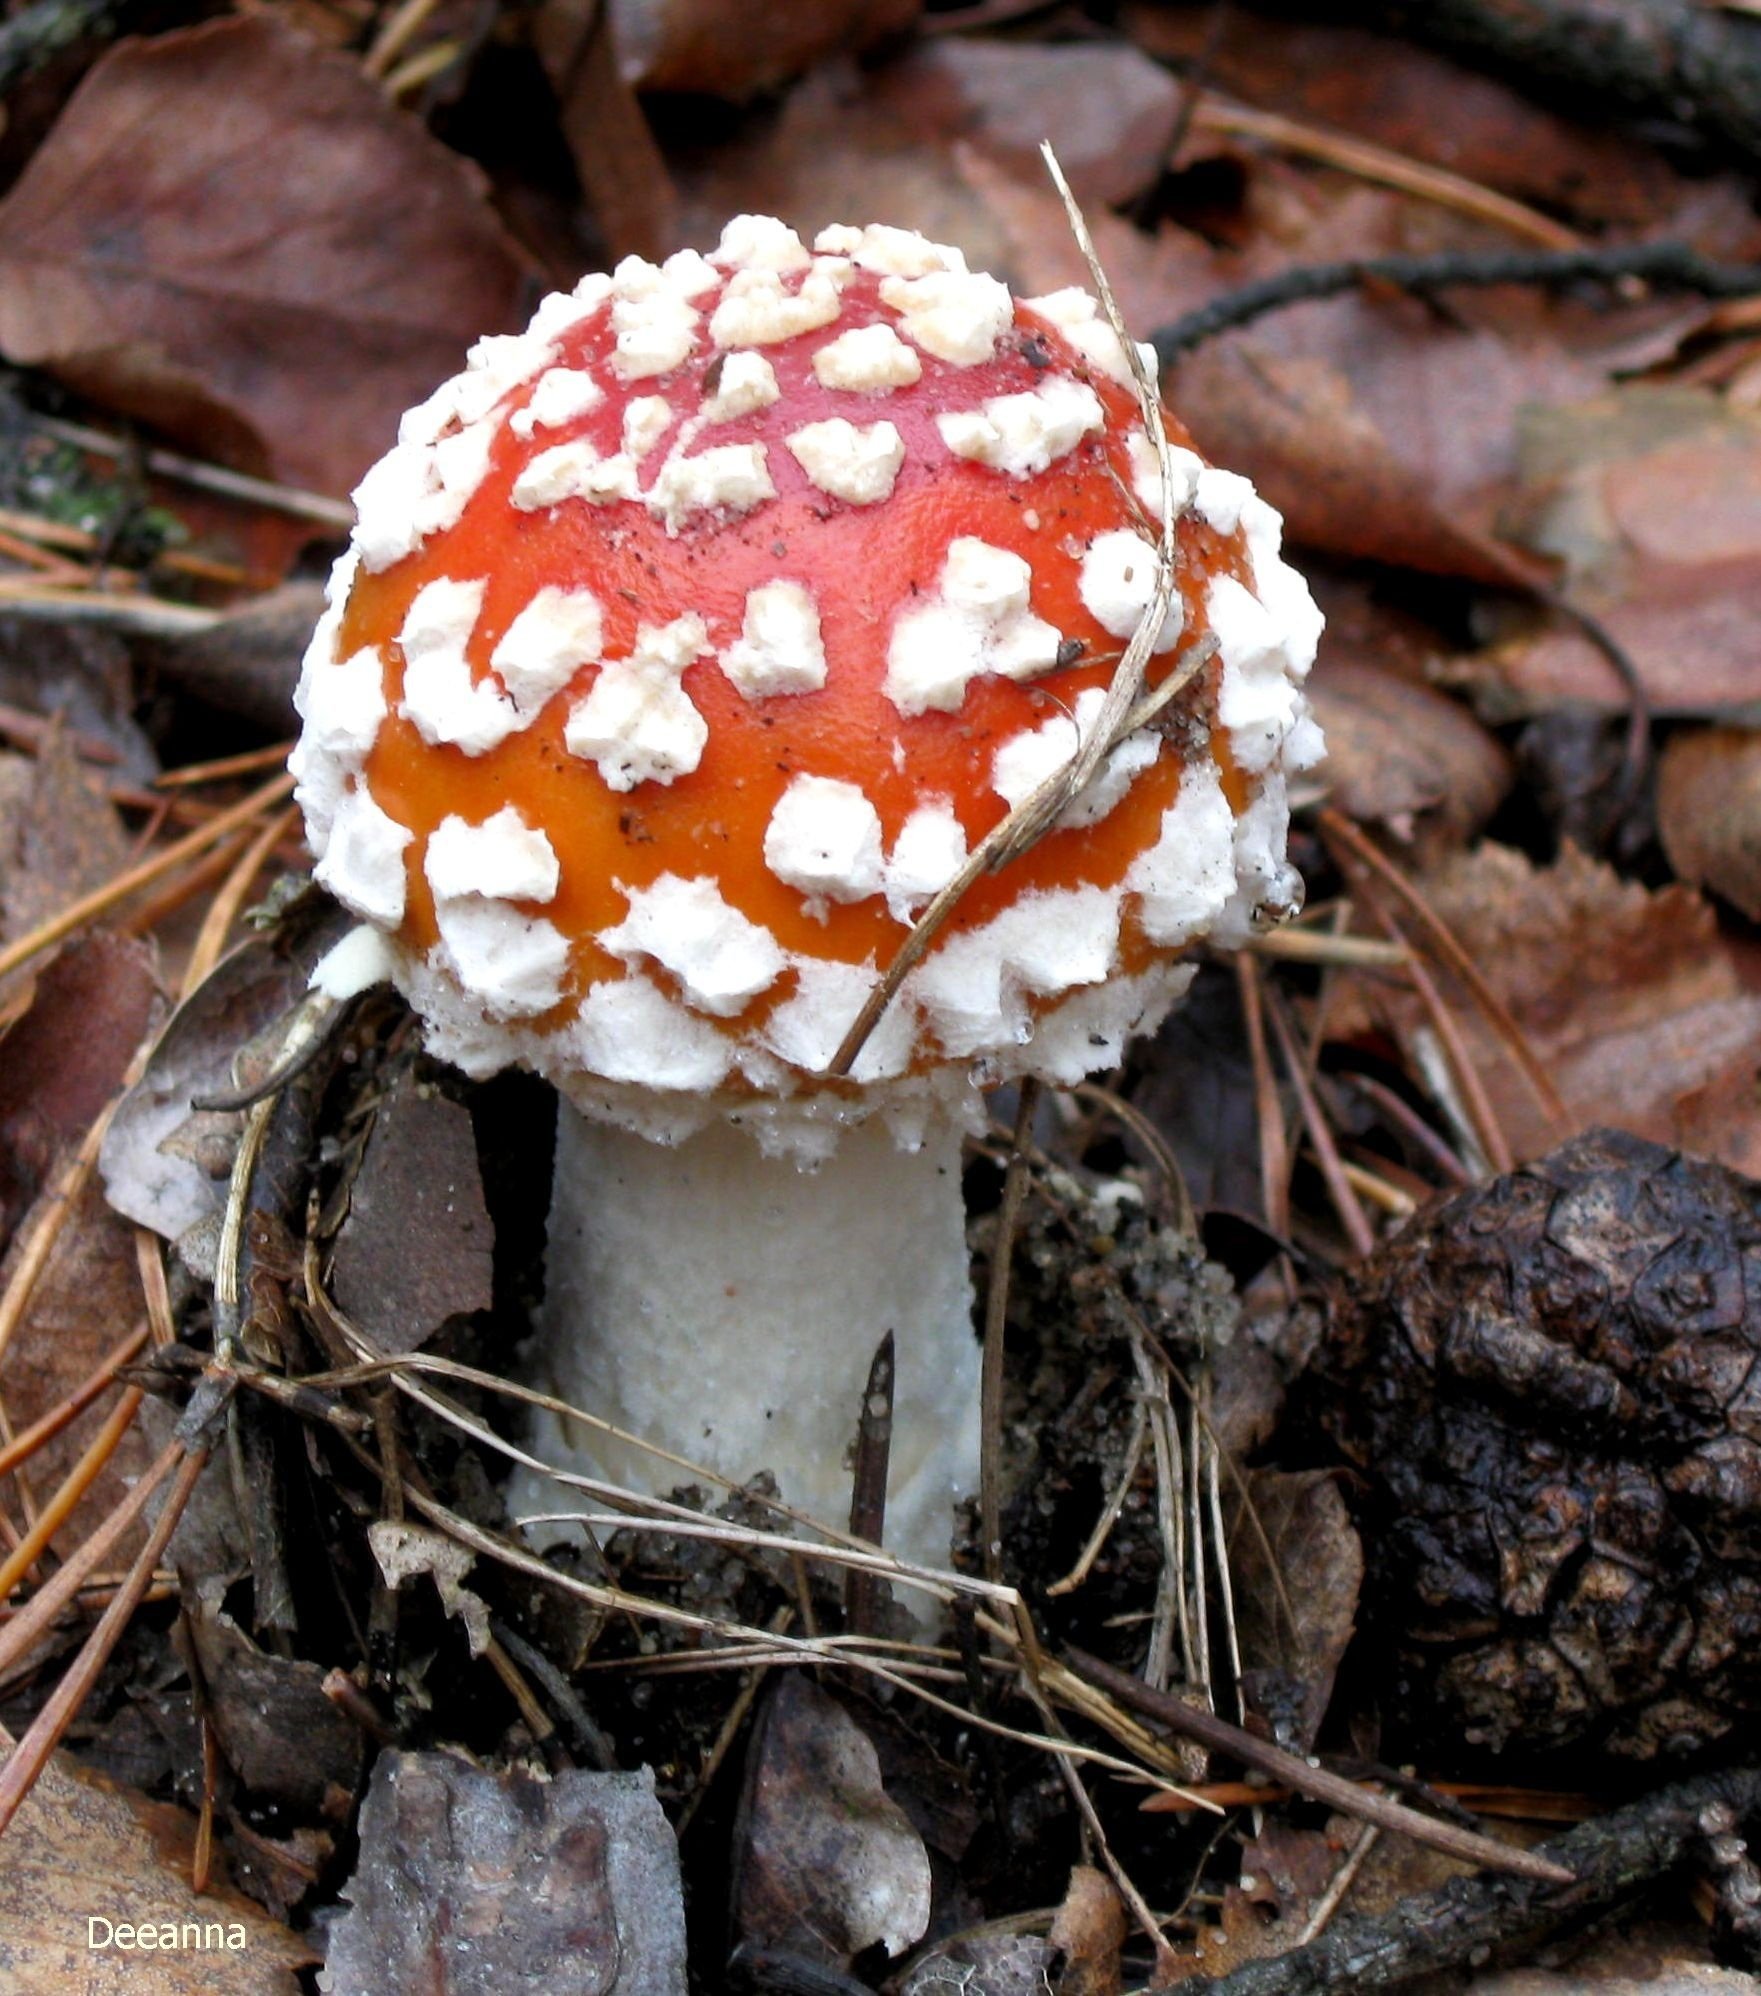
<point>1671,266</point>
<point>538,1723</point>
<point>996,1317</point>
<point>1317,1783</point>
<point>1342,1881</point>
<point>206,477</point>
<point>864,1591</point>
<point>354,1703</point>
<point>585,1736</point>
<point>1411,1125</point>
<point>1268,1110</point>
<point>278,1077</point>
<point>1358,1230</point>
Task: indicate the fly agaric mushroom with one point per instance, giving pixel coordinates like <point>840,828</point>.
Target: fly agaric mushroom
<point>688,644</point>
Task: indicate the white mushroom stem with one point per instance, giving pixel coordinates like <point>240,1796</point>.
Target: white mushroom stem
<point>726,1306</point>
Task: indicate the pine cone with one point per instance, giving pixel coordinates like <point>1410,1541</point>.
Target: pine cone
<point>1550,1386</point>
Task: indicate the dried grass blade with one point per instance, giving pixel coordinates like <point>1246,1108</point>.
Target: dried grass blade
<point>26,1443</point>
<point>73,1487</point>
<point>28,1758</point>
<point>102,899</point>
<point>36,1616</point>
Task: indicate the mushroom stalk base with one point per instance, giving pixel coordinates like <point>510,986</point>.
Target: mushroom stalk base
<point>726,1306</point>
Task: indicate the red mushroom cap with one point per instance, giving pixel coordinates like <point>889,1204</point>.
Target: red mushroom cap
<point>690,640</point>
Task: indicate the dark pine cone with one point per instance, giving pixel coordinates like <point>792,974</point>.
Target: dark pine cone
<point>1550,1386</point>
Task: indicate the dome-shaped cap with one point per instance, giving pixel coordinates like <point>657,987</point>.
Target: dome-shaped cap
<point>691,640</point>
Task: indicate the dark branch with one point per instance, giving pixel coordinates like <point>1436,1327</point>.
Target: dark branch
<point>1669,266</point>
<point>1677,62</point>
<point>1615,1857</point>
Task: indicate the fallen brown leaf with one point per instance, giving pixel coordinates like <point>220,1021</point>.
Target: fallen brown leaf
<point>81,1850</point>
<point>1382,88</point>
<point>247,663</point>
<point>59,836</point>
<point>1283,1872</point>
<point>1709,812</point>
<point>233,235</point>
<point>985,1965</point>
<point>1089,1930</point>
<point>830,1863</point>
<point>1644,1017</point>
<point>1109,111</point>
<point>82,672</point>
<point>283,1738</point>
<point>738,51</point>
<point>1295,1622</point>
<point>1650,498</point>
<point>165,1163</point>
<point>53,1082</point>
<point>1402,755</point>
<point>832,151</point>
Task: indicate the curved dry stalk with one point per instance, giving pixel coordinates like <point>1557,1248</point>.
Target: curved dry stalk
<point>851,1653</point>
<point>1110,1510</point>
<point>1158,1146</point>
